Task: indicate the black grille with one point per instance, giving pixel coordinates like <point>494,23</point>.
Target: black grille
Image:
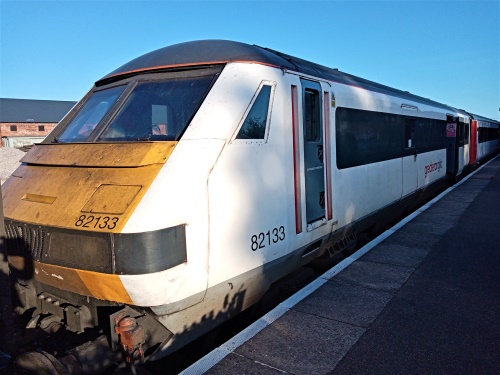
<point>24,239</point>
<point>122,253</point>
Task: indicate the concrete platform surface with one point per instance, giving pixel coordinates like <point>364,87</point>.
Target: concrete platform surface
<point>424,300</point>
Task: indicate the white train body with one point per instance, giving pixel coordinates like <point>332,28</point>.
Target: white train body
<point>487,141</point>
<point>252,209</point>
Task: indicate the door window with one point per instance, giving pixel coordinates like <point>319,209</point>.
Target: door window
<point>410,133</point>
<point>311,115</point>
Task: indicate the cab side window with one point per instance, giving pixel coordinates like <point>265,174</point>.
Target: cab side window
<point>255,123</point>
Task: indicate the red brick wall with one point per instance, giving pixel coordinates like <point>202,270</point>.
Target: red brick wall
<point>25,129</point>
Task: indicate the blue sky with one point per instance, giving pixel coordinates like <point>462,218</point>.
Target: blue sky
<point>448,51</point>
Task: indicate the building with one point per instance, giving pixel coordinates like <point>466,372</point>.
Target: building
<point>25,121</point>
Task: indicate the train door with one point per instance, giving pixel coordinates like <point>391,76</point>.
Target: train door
<point>473,142</point>
<point>313,143</point>
<point>466,142</point>
<point>461,147</point>
<point>409,161</point>
<point>451,145</point>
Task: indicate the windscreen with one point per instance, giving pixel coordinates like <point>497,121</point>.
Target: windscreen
<point>80,128</point>
<point>154,110</point>
<point>157,110</point>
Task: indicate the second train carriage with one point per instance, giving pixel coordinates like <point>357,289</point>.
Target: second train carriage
<point>190,179</point>
<point>484,137</point>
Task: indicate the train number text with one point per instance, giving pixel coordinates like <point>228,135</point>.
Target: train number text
<point>100,222</point>
<point>262,239</point>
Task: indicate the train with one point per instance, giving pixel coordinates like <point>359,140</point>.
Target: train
<point>188,181</point>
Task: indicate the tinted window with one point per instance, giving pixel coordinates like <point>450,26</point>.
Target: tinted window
<point>430,134</point>
<point>409,132</point>
<point>312,115</point>
<point>461,133</point>
<point>364,137</point>
<point>254,126</point>
<point>488,134</point>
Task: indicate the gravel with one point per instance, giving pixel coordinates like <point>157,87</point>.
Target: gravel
<point>9,161</point>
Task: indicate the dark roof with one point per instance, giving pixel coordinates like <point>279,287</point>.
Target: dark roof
<point>207,52</point>
<point>486,119</point>
<point>28,110</point>
<point>201,52</point>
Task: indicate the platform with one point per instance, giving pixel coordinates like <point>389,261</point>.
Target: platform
<point>424,297</point>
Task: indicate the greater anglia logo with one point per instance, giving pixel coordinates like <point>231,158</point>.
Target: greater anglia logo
<point>433,167</point>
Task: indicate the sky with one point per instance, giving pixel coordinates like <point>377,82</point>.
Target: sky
<point>448,51</point>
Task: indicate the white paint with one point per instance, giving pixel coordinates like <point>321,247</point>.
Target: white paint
<point>229,193</point>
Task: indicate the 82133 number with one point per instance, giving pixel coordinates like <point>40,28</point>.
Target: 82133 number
<point>262,239</point>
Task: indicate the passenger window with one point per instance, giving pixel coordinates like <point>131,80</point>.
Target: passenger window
<point>410,133</point>
<point>254,126</point>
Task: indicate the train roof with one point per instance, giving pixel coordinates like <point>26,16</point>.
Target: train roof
<point>485,119</point>
<point>210,52</point>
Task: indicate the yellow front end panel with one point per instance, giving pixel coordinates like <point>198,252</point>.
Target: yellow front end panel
<point>86,283</point>
<point>90,187</point>
<point>84,187</point>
